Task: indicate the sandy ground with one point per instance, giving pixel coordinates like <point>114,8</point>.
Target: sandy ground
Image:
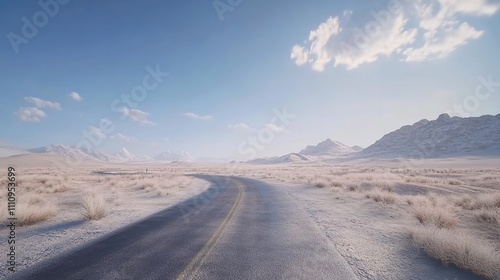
<point>68,229</point>
<point>371,236</point>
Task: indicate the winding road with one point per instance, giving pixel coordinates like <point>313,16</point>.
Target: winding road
<point>239,228</point>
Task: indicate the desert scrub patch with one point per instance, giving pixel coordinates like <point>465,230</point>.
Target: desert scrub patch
<point>32,210</point>
<point>440,217</point>
<point>381,195</point>
<point>488,215</point>
<point>457,247</point>
<point>94,205</point>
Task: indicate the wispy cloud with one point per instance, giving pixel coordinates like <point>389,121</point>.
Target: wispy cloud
<point>275,128</point>
<point>198,117</point>
<point>43,103</point>
<point>123,138</point>
<point>30,114</point>
<point>75,96</point>
<point>241,127</point>
<point>440,32</point>
<point>137,115</point>
<point>443,31</point>
<point>318,53</point>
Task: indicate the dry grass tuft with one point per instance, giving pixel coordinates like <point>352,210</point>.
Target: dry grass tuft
<point>94,205</point>
<point>488,215</point>
<point>417,200</point>
<point>29,213</point>
<point>320,184</point>
<point>382,195</point>
<point>481,201</point>
<point>441,217</point>
<point>458,248</point>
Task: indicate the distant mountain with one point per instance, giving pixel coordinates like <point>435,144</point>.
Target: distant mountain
<point>329,148</point>
<point>124,155</point>
<point>445,136</point>
<point>172,156</point>
<point>289,158</point>
<point>357,148</point>
<point>7,149</point>
<point>73,152</point>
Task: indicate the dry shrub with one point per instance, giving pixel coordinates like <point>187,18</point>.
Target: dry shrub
<point>441,217</point>
<point>465,201</point>
<point>454,182</point>
<point>488,215</point>
<point>352,187</point>
<point>336,184</point>
<point>32,210</point>
<point>417,200</point>
<point>94,205</point>
<point>459,248</point>
<point>480,201</point>
<point>381,195</point>
<point>438,200</point>
<point>320,184</point>
<point>488,200</point>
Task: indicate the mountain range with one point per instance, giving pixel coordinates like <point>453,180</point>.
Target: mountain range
<point>329,148</point>
<point>123,155</point>
<point>171,156</point>
<point>444,137</point>
<point>324,150</point>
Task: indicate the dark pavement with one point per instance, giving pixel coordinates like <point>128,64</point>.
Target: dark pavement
<point>238,229</point>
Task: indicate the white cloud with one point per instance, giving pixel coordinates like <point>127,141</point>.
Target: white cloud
<point>318,54</point>
<point>30,114</point>
<point>198,117</point>
<point>275,128</point>
<point>368,48</point>
<point>241,127</point>
<point>438,47</point>
<point>443,32</point>
<point>122,138</point>
<point>75,96</point>
<point>137,116</point>
<point>439,32</point>
<point>299,54</point>
<point>43,103</point>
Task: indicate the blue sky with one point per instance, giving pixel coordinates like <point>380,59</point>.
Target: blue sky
<point>351,71</point>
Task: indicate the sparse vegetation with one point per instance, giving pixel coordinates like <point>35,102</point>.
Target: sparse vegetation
<point>33,211</point>
<point>381,195</point>
<point>450,205</point>
<point>440,217</point>
<point>459,248</point>
<point>447,206</point>
<point>94,205</point>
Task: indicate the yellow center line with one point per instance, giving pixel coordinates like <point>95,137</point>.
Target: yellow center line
<point>195,264</point>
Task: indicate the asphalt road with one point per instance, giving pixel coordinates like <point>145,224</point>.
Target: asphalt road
<point>238,229</point>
